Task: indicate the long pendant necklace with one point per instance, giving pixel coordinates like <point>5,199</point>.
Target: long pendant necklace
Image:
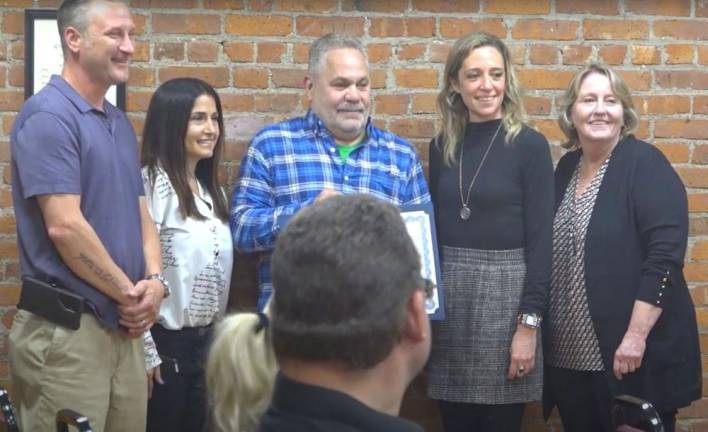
<point>465,211</point>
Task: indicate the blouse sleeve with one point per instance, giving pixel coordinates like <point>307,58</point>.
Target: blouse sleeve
<point>661,215</point>
<point>538,202</point>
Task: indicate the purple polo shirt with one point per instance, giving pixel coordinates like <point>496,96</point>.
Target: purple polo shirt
<point>60,144</point>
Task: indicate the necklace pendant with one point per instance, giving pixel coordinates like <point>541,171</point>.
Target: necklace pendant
<point>465,212</point>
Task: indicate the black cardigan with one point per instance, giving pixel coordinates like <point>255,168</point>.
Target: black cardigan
<point>634,250</point>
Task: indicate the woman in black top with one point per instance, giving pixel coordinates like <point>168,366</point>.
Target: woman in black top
<point>620,317</point>
<point>492,187</point>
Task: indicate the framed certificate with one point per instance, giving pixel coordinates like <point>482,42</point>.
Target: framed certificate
<point>420,222</point>
<point>43,56</point>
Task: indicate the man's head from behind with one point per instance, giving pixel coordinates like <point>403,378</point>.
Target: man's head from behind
<point>97,35</point>
<point>347,285</point>
<point>338,86</point>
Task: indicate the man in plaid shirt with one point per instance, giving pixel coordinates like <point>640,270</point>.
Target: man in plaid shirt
<point>334,149</point>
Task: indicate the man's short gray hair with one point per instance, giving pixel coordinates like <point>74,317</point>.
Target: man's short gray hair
<point>76,13</point>
<point>329,42</point>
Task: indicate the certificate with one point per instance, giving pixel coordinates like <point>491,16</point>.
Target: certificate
<point>43,55</point>
<point>420,222</point>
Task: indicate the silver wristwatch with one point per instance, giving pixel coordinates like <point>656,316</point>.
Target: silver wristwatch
<point>530,320</point>
<point>163,281</point>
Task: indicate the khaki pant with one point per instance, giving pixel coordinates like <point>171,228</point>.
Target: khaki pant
<point>94,371</point>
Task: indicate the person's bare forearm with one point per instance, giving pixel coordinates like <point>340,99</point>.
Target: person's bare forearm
<point>151,241</point>
<point>81,249</point>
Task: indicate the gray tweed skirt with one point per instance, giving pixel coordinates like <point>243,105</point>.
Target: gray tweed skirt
<point>470,355</point>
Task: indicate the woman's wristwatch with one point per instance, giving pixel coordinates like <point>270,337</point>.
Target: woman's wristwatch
<point>163,281</point>
<point>530,320</point>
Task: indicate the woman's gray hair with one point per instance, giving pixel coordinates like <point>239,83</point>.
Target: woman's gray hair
<point>331,41</point>
<point>454,115</point>
<point>619,88</point>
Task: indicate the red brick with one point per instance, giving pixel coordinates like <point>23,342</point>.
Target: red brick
<point>688,128</point>
<point>537,105</point>
<point>517,53</point>
<point>615,29</point>
<point>224,4</point>
<point>392,6</point>
<point>9,294</point>
<point>216,76</point>
<point>536,7</point>
<point>662,104</point>
<point>454,28</point>
<point>169,51</point>
<point>270,52</point>
<point>236,102</point>
<point>703,54</point>
<point>694,176</point>
<point>379,53</point>
<point>320,26</point>
<point>576,54</point>
<point>288,78</point>
<point>659,7</point>
<point>13,23</point>
<point>420,27</point>
<point>269,25</point>
<point>7,223</point>
<point>681,29</point>
<point>260,5</point>
<point>301,52</point>
<point>702,8</point>
<point>543,55</point>
<point>15,3</point>
<point>391,104</point>
<point>439,51</point>
<point>411,51</point>
<point>141,52</point>
<point>276,103</point>
<point>549,129</point>
<point>3,51</point>
<point>674,152</point>
<point>306,6</point>
<point>425,103</point>
<point>138,100</point>
<point>413,128</point>
<point>679,54</point>
<point>544,79</point>
<point>239,51</point>
<point>445,6</point>
<point>186,23</point>
<point>251,78</point>
<point>697,226</point>
<point>378,78</point>
<point>416,78</point>
<point>11,100</point>
<point>545,29</point>
<point>700,105</point>
<point>645,55</point>
<point>613,54</point>
<point>636,80</point>
<point>17,50</point>
<point>397,27</point>
<point>698,296</point>
<point>8,249</point>
<point>203,51</point>
<point>596,7</point>
<point>16,77</point>
<point>700,155</point>
<point>696,272</point>
<point>686,79</point>
<point>140,77</point>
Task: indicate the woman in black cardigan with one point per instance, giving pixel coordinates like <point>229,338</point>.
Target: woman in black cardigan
<point>620,318</point>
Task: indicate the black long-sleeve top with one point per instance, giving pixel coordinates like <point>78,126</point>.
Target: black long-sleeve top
<point>511,201</point>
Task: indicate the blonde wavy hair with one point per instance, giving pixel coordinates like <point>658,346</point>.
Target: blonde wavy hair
<point>454,114</point>
<point>240,372</point>
<point>619,88</point>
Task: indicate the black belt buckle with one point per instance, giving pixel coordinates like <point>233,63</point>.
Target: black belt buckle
<point>51,302</point>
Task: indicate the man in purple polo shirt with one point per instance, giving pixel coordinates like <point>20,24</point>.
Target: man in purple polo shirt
<point>83,225</point>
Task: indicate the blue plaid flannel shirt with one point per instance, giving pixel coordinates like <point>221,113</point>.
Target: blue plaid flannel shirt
<point>288,164</point>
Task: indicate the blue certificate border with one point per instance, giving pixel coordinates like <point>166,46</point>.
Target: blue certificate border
<point>428,210</point>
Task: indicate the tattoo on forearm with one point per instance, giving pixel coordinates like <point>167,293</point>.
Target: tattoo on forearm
<point>98,271</point>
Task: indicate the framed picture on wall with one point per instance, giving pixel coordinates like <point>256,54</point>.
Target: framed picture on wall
<point>43,56</point>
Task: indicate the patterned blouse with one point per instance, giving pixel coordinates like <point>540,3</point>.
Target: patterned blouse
<point>573,341</point>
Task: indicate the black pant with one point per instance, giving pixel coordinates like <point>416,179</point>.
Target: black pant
<point>180,403</point>
<point>584,401</point>
<point>470,417</point>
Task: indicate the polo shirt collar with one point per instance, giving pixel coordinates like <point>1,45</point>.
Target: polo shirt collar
<point>70,93</point>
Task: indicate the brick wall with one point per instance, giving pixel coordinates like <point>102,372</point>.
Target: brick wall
<point>254,52</point>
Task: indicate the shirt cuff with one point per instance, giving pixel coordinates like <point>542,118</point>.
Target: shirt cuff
<point>652,288</point>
